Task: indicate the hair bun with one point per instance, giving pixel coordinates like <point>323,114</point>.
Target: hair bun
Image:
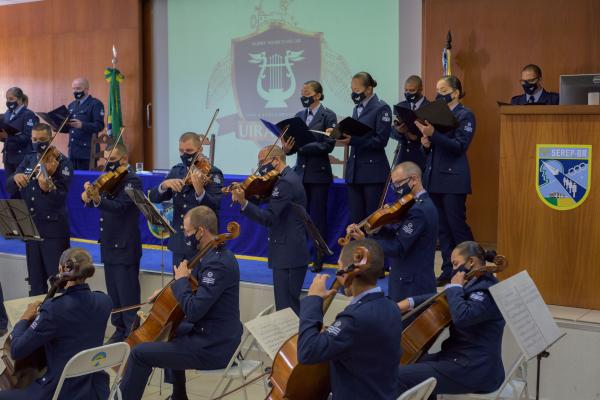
<point>373,82</point>
<point>490,255</point>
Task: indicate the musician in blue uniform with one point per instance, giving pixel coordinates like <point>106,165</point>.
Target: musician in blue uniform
<point>531,81</point>
<point>87,121</point>
<point>17,146</point>
<point>447,177</point>
<point>471,358</point>
<point>362,346</point>
<point>47,202</point>
<point>409,144</point>
<point>312,162</point>
<point>211,330</point>
<point>368,167</point>
<point>120,242</point>
<point>205,190</point>
<point>288,253</point>
<point>410,244</point>
<point>64,326</point>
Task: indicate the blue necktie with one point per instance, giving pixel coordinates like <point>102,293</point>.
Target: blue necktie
<point>531,100</point>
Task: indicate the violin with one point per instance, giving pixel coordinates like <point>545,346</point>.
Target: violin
<point>388,214</point>
<point>257,186</point>
<point>47,166</point>
<point>201,164</point>
<point>434,317</point>
<point>107,182</point>
<point>294,381</point>
<point>166,313</point>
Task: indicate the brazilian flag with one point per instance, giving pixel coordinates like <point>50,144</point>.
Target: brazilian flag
<point>115,114</point>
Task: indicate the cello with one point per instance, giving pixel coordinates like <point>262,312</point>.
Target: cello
<point>291,380</point>
<point>166,313</point>
<point>434,317</point>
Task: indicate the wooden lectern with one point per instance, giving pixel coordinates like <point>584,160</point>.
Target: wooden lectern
<point>560,249</point>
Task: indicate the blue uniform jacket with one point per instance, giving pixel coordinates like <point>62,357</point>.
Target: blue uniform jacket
<point>66,325</point>
<point>16,147</point>
<point>212,314</point>
<point>472,355</point>
<point>368,162</point>
<point>410,150</point>
<point>120,241</point>
<point>312,163</point>
<point>447,167</point>
<point>185,201</point>
<point>410,246</point>
<point>49,209</point>
<point>91,115</point>
<point>362,346</point>
<point>546,98</point>
<point>287,234</point>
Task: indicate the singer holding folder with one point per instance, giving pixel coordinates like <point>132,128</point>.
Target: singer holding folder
<point>312,163</point>
<point>447,177</point>
<point>368,167</point>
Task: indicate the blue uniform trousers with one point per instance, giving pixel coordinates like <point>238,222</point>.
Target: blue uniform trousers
<point>123,287</point>
<point>42,262</point>
<point>363,200</point>
<point>81,163</point>
<point>287,285</point>
<point>453,228</point>
<point>316,198</point>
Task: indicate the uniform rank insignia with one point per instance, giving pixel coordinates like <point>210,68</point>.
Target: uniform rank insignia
<point>275,192</point>
<point>216,179</point>
<point>30,122</point>
<point>66,171</point>
<point>386,117</point>
<point>563,176</point>
<point>102,113</point>
<point>469,127</point>
<point>209,278</point>
<point>34,324</point>
<point>477,296</point>
<point>335,329</point>
<point>408,228</point>
<point>128,186</point>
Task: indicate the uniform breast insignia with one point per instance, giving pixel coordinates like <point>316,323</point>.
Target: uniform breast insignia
<point>408,228</point>
<point>386,117</point>
<point>30,122</point>
<point>335,329</point>
<point>275,192</point>
<point>66,171</point>
<point>208,278</point>
<point>477,296</point>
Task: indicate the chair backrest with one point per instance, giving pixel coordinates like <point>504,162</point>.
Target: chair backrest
<point>210,142</point>
<point>336,161</point>
<point>97,153</point>
<point>94,360</point>
<point>421,391</point>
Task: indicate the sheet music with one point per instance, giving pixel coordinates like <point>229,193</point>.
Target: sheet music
<point>272,330</point>
<point>526,314</point>
<point>16,307</point>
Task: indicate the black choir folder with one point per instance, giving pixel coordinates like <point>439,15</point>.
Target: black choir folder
<point>351,127</point>
<point>8,128</point>
<point>296,128</point>
<point>56,117</point>
<point>436,113</point>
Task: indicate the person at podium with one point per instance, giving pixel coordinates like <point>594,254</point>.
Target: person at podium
<point>531,81</point>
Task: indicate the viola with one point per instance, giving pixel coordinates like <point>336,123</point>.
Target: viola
<point>257,186</point>
<point>434,317</point>
<point>294,381</point>
<point>166,313</point>
<point>386,215</point>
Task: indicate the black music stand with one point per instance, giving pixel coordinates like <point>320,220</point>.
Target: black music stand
<point>154,217</point>
<point>16,221</point>
<point>313,232</point>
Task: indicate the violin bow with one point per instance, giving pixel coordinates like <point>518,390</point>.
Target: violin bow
<point>113,148</point>
<point>389,178</point>
<point>214,117</point>
<point>47,148</point>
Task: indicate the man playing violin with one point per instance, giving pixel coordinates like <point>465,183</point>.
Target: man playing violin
<point>471,358</point>
<point>211,330</point>
<point>46,198</point>
<point>204,189</point>
<point>64,326</point>
<point>409,244</point>
<point>120,242</point>
<point>362,345</point>
<point>288,252</point>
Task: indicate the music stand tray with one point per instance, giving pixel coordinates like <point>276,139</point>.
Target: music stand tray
<point>149,210</point>
<point>16,221</point>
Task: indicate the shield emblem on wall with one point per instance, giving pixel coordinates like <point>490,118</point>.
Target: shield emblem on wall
<point>269,68</point>
<point>563,174</point>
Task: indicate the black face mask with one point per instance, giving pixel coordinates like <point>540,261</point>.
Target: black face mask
<point>358,97</point>
<point>265,169</point>
<point>446,97</point>
<point>40,147</point>
<point>461,268</point>
<point>529,88</point>
<point>412,97</point>
<point>112,165</point>
<point>187,159</point>
<point>192,241</point>
<point>11,105</point>
<point>307,101</point>
<point>78,95</point>
<point>403,189</point>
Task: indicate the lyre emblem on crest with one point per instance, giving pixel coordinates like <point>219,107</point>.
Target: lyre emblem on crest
<point>277,69</point>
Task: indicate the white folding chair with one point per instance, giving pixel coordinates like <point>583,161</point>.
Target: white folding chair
<point>514,386</point>
<point>421,391</point>
<point>94,360</point>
